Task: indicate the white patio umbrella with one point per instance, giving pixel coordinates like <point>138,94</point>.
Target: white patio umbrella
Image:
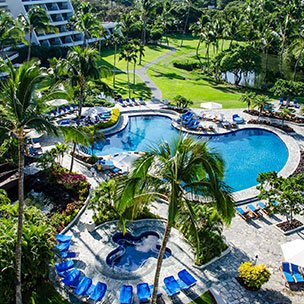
<point>294,252</point>
<point>94,111</point>
<point>211,105</point>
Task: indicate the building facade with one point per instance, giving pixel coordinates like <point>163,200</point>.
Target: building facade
<point>59,12</point>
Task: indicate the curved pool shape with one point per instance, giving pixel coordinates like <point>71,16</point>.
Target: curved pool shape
<point>246,152</point>
<point>133,252</point>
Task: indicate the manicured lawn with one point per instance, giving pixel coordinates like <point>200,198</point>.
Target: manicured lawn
<point>191,84</point>
<point>204,299</point>
<point>151,52</point>
<point>139,89</point>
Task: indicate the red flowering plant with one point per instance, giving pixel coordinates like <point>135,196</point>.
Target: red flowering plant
<point>73,181</point>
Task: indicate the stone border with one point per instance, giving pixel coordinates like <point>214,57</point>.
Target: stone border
<point>289,231</point>
<point>241,196</point>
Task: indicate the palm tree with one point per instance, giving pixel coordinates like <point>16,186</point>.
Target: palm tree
<point>87,22</point>
<point>284,113</point>
<point>165,172</point>
<point>127,54</point>
<point>248,98</point>
<point>115,39</point>
<point>260,102</point>
<point>35,20</point>
<point>10,31</point>
<point>297,48</point>
<point>19,108</point>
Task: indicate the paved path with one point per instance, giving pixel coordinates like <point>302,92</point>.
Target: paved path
<point>142,73</point>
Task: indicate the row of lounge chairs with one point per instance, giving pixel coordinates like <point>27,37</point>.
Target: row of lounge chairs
<point>61,111</point>
<point>133,102</point>
<point>288,103</point>
<point>189,120</point>
<point>144,291</point>
<point>255,211</point>
<point>292,273</point>
<point>72,278</point>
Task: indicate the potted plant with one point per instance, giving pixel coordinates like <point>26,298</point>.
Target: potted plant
<point>251,276</point>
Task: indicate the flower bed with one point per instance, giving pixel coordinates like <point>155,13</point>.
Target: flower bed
<point>284,128</point>
<point>289,226</point>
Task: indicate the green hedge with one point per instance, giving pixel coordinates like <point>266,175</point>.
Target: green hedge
<point>187,64</point>
<point>114,118</point>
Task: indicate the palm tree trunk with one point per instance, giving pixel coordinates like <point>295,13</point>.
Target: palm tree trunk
<point>114,70</point>
<point>266,64</point>
<point>296,65</point>
<point>30,45</point>
<point>81,96</point>
<point>134,67</point>
<point>20,216</point>
<point>207,55</point>
<point>197,54</point>
<point>160,261</point>
<point>185,27</point>
<point>128,79</point>
<point>73,156</point>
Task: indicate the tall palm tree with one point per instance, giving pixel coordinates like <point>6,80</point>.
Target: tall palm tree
<point>297,48</point>
<point>35,20</point>
<point>87,22</point>
<point>20,108</point>
<point>127,54</point>
<point>248,98</point>
<point>260,102</point>
<point>165,172</point>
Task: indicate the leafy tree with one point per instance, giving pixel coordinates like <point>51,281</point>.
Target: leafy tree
<point>20,107</point>
<point>165,172</point>
<point>288,192</point>
<point>288,88</point>
<point>37,249</point>
<point>35,20</point>
<point>297,49</point>
<point>260,102</point>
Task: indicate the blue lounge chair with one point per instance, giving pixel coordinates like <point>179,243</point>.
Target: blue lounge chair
<point>121,102</point>
<point>281,101</point>
<point>63,266</point>
<point>263,207</point>
<point>96,293</point>
<point>195,125</point>
<point>83,285</point>
<point>143,292</point>
<point>134,101</point>
<point>126,294</point>
<point>296,273</point>
<point>66,254</point>
<point>186,279</point>
<point>151,291</point>
<point>171,286</point>
<point>72,278</point>
<point>287,275</point>
<point>62,238</point>
<point>141,101</point>
<point>254,210</point>
<point>129,103</point>
<point>288,102</point>
<point>242,213</point>
<point>63,246</point>
<point>237,119</point>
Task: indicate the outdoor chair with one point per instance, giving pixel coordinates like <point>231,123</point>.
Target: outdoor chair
<point>171,287</point>
<point>255,210</point>
<point>126,294</point>
<point>287,275</point>
<point>186,280</point>
<point>143,292</point>
<point>62,238</point>
<point>96,293</point>
<point>245,215</point>
<point>296,273</point>
<point>262,207</point>
<point>83,285</point>
<point>64,266</point>
<point>72,279</point>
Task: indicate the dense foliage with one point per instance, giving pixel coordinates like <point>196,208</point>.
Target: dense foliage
<point>37,249</point>
<point>253,276</point>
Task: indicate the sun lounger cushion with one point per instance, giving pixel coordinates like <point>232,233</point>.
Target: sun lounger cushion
<point>252,208</point>
<point>67,254</point>
<point>241,211</point>
<point>63,246</point>
<point>126,294</point>
<point>172,285</point>
<point>261,205</point>
<point>64,266</point>
<point>72,279</point>
<point>97,292</point>
<point>187,278</point>
<point>61,238</point>
<point>83,286</point>
<point>143,292</point>
<point>296,273</point>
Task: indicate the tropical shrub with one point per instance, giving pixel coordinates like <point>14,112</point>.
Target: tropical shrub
<point>187,64</point>
<point>253,276</point>
<point>288,88</point>
<point>182,102</point>
<point>114,118</point>
<point>37,249</point>
<point>9,151</point>
<point>92,101</point>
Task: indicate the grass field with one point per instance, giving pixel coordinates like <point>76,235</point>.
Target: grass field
<point>191,84</point>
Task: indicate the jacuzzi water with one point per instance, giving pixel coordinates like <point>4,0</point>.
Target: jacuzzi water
<point>246,152</point>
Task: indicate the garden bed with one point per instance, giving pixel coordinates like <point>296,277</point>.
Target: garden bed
<point>288,228</point>
<point>300,168</point>
<point>292,118</point>
<point>241,282</point>
<point>284,128</point>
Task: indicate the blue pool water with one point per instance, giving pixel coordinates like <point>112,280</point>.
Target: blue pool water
<point>133,252</point>
<point>246,152</point>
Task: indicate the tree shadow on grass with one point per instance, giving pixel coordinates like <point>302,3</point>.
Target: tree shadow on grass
<point>170,76</point>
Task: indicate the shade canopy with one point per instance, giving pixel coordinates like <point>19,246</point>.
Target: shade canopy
<point>57,102</point>
<point>211,105</point>
<point>294,252</point>
<point>94,111</point>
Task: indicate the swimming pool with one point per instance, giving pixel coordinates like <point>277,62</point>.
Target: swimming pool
<point>133,252</point>
<point>246,152</point>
